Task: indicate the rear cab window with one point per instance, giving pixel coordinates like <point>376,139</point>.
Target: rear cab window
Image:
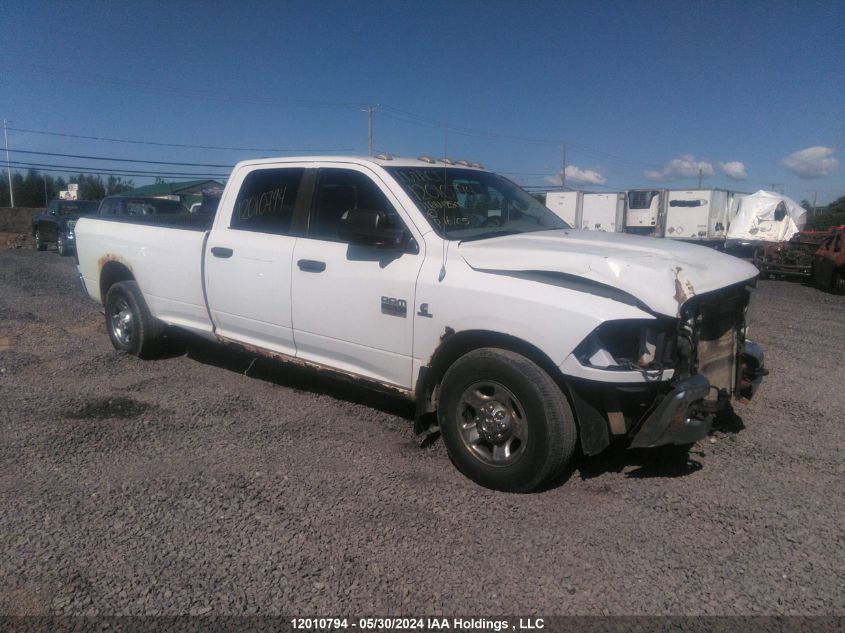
<point>266,200</point>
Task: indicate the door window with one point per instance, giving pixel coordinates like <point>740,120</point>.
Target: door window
<point>108,207</point>
<point>342,190</point>
<point>266,200</point>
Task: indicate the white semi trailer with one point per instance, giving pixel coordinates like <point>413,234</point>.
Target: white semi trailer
<point>602,212</point>
<point>695,215</point>
<point>566,205</point>
<point>700,215</point>
<point>645,211</point>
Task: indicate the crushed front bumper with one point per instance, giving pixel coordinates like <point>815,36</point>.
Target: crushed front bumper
<point>672,421</point>
<point>682,417</point>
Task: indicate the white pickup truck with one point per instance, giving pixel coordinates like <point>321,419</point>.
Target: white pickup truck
<point>516,335</point>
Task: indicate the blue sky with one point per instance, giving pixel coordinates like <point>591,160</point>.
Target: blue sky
<point>641,93</point>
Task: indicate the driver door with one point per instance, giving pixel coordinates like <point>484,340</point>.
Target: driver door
<point>353,305</point>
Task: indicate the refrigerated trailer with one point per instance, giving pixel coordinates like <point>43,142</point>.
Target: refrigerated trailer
<point>693,215</point>
<point>566,205</point>
<point>700,215</point>
<point>602,212</point>
<point>645,211</point>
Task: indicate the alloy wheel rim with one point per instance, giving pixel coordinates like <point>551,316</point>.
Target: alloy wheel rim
<point>122,322</point>
<point>492,423</point>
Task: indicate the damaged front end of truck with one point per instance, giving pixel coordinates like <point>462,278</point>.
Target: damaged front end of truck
<point>693,365</point>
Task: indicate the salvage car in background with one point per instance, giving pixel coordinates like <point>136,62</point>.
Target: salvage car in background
<point>793,258</point>
<point>56,225</point>
<point>516,335</point>
<point>828,269</point>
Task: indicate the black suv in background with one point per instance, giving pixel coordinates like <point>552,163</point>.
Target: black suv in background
<point>56,225</point>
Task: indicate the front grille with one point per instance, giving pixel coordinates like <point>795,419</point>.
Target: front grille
<point>719,326</point>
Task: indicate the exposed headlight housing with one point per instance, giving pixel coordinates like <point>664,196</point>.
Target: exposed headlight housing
<point>627,345</point>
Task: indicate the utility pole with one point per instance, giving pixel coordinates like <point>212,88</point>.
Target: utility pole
<point>699,177</point>
<point>563,170</point>
<point>8,168</point>
<point>775,184</point>
<point>46,199</point>
<point>815,197</point>
<point>370,129</point>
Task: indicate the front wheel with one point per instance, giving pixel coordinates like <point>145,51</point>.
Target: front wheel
<point>505,422</point>
<point>61,245</point>
<point>131,326</point>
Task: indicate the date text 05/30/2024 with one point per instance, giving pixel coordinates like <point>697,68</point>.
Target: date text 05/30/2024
<point>466,625</point>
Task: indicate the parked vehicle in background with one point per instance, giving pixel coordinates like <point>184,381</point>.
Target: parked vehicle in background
<point>566,205</point>
<point>828,270</point>
<point>645,211</point>
<point>516,336</point>
<point>588,211</point>
<point>700,215</point>
<point>55,227</point>
<point>793,258</point>
<point>602,212</point>
<point>764,216</point>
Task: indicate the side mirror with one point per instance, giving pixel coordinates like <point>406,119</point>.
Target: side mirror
<point>369,228</point>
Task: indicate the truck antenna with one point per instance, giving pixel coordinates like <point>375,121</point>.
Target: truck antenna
<point>442,274</point>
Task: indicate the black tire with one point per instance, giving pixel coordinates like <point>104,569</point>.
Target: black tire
<point>38,243</point>
<point>837,282</point>
<point>538,410</point>
<point>139,333</point>
<point>61,246</point>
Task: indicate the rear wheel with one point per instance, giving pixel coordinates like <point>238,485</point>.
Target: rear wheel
<point>131,326</point>
<point>39,243</point>
<point>505,422</point>
<point>61,245</point>
<point>837,282</point>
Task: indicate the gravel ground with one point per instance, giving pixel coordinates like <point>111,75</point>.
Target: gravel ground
<point>206,483</point>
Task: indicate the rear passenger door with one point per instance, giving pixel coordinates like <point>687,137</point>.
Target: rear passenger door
<point>248,261</point>
<point>353,305</point>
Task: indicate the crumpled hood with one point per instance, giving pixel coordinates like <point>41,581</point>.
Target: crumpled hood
<point>662,274</point>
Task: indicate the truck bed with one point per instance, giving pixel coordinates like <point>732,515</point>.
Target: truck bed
<point>168,251</point>
<point>187,221</point>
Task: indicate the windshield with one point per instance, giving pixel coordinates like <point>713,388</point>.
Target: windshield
<point>466,204</point>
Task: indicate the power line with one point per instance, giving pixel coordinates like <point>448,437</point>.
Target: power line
<point>113,171</point>
<point>395,113</point>
<point>415,119</point>
<point>214,147</point>
<point>419,120</point>
<point>121,160</point>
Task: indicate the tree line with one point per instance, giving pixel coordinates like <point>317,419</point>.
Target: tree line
<point>821,218</point>
<point>35,189</point>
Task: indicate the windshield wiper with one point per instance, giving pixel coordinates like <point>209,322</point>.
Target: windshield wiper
<point>489,234</point>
